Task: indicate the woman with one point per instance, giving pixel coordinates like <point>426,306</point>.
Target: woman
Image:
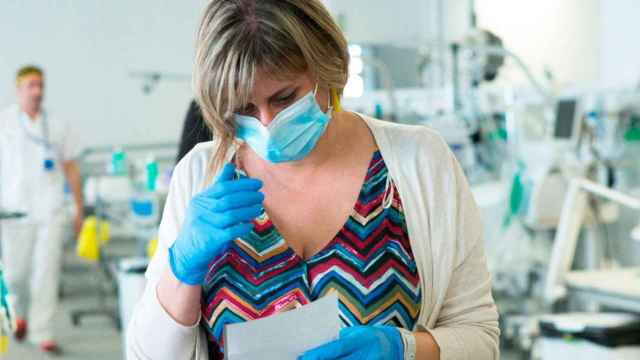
<point>296,198</point>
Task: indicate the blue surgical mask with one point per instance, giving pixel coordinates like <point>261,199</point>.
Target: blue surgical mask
<point>292,133</point>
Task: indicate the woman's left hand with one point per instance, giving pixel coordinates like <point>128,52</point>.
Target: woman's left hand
<point>361,343</point>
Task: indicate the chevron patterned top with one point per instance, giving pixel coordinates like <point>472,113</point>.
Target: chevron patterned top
<point>369,263</point>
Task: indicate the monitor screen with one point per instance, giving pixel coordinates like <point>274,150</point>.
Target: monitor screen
<point>565,119</point>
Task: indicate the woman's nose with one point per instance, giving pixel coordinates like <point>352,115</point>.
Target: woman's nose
<point>266,115</point>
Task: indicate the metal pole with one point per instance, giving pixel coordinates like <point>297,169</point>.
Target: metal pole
<point>455,54</point>
<point>473,18</point>
<point>610,194</point>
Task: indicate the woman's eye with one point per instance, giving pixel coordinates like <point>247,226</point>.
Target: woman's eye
<point>287,98</point>
<point>247,110</point>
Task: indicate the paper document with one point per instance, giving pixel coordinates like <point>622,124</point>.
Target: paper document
<point>286,335</point>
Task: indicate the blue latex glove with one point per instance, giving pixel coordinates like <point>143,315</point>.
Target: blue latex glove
<point>361,343</point>
<point>215,217</point>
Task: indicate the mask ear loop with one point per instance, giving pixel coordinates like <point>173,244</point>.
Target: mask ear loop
<point>239,172</point>
<point>330,111</point>
<point>330,98</point>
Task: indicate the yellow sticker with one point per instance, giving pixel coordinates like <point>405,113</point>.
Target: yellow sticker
<point>151,247</point>
<point>4,343</point>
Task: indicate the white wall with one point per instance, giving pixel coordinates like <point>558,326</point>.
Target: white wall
<point>620,49</point>
<point>383,21</point>
<point>561,35</point>
<point>87,49</point>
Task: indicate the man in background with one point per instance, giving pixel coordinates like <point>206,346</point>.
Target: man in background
<point>37,154</point>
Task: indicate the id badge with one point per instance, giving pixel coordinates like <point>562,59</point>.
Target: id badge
<point>49,160</point>
<point>49,164</point>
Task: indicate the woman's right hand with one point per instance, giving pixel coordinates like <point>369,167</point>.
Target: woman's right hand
<point>215,217</point>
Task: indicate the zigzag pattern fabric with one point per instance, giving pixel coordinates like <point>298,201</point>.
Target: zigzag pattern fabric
<point>369,263</point>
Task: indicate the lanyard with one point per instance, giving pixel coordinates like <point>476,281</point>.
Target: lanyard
<point>45,129</point>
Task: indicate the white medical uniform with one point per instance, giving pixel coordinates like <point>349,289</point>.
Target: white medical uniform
<point>32,246</point>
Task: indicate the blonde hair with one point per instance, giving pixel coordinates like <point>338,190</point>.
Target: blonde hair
<point>27,70</point>
<point>283,38</point>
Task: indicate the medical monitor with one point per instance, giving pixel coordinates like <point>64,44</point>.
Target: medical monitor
<point>568,119</point>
